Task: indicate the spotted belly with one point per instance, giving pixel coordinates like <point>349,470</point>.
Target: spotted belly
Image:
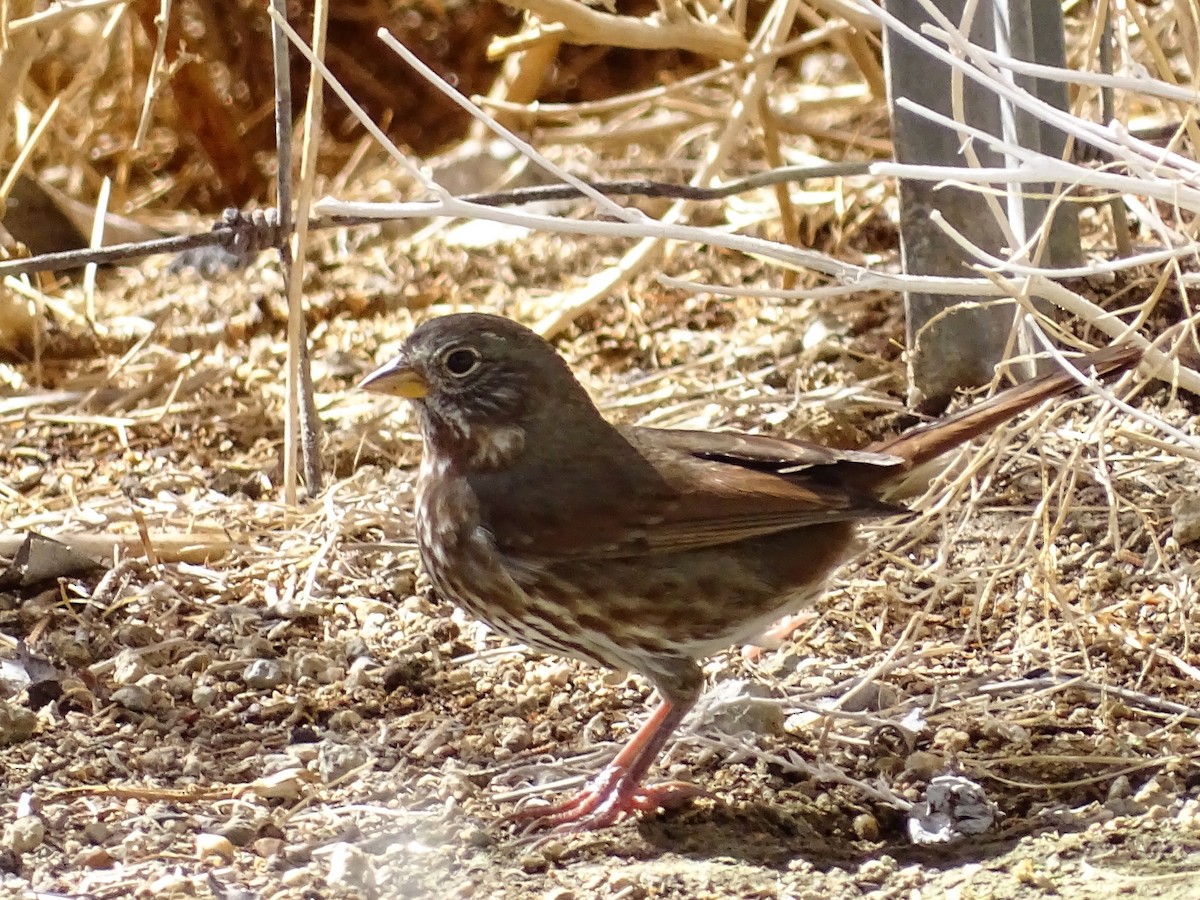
<point>517,601</point>
<point>626,612</point>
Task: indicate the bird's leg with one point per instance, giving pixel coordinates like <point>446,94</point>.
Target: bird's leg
<point>618,789</point>
<point>775,636</point>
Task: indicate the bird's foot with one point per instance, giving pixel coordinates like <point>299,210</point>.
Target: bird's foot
<point>608,797</point>
<point>775,636</point>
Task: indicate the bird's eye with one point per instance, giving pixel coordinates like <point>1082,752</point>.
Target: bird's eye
<point>462,362</point>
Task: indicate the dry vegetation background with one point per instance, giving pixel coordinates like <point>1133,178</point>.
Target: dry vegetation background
<point>252,699</point>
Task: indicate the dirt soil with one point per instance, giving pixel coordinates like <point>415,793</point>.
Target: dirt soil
<point>249,699</point>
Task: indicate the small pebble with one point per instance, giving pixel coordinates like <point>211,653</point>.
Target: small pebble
<point>923,765</point>
<point>25,834</point>
<point>876,871</point>
<point>214,845</point>
<point>134,697</point>
<point>94,858</point>
<point>263,674</point>
<point>128,667</point>
<point>1120,788</point>
<point>344,720</point>
<point>283,785</point>
<point>97,832</point>
<point>313,665</point>
<point>866,826</point>
<point>295,876</point>
<point>1186,513</point>
<point>298,854</point>
<point>533,861</point>
<point>1188,816</point>
<point>1023,871</point>
<point>239,833</point>
<point>173,883</point>
<point>268,847</point>
<point>17,724</point>
<point>621,881</point>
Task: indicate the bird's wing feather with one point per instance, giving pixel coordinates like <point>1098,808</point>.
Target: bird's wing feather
<point>756,450</point>
<point>730,487</point>
<point>680,491</point>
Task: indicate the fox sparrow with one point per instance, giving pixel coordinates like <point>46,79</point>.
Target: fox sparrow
<point>639,549</point>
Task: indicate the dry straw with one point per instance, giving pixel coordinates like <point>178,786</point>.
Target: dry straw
<point>1034,627</point>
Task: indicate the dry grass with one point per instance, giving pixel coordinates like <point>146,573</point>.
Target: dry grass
<point>262,695</point>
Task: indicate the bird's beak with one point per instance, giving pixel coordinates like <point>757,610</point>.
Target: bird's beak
<point>397,378</point>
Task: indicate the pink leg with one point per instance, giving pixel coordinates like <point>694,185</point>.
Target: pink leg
<point>618,789</point>
<point>773,637</point>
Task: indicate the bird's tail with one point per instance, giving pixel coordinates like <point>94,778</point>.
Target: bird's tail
<point>924,443</point>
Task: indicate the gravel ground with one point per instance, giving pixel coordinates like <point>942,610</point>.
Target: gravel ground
<point>269,704</point>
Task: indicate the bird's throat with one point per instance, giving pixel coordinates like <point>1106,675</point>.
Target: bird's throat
<point>497,447</point>
<point>473,447</point>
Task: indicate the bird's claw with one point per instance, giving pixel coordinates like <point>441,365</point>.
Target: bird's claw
<point>608,798</point>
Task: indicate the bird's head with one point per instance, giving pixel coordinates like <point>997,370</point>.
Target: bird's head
<point>485,385</point>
